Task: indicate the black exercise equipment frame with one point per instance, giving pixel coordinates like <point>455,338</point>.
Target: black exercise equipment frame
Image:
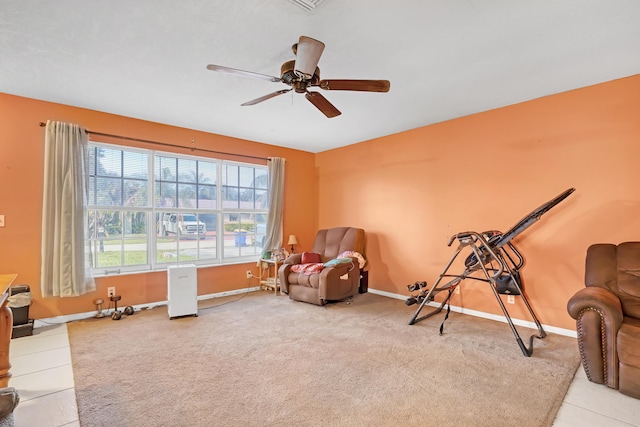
<point>493,254</point>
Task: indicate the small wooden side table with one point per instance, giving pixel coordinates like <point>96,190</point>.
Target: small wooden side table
<point>270,281</point>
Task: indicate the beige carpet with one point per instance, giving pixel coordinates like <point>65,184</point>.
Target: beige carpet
<point>264,360</point>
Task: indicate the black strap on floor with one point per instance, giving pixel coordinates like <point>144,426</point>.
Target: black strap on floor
<point>445,317</point>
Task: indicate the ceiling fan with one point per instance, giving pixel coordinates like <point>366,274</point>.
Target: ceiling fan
<point>303,73</point>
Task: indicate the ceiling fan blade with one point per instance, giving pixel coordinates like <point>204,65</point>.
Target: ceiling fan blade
<point>307,56</point>
<point>322,104</point>
<point>264,98</point>
<point>359,85</point>
<point>243,73</point>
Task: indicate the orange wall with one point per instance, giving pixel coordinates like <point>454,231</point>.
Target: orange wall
<point>413,190</point>
<point>21,171</point>
<point>410,192</point>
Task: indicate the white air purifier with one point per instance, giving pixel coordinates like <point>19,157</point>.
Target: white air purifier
<point>182,296</point>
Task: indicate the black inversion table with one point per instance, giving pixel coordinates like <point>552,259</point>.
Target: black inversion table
<point>494,255</point>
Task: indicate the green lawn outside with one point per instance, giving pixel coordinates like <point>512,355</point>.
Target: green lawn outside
<point>113,258</point>
<point>137,239</point>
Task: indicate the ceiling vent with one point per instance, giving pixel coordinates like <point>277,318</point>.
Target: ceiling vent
<point>307,5</point>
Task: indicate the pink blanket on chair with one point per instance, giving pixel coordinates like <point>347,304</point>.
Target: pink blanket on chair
<point>307,269</point>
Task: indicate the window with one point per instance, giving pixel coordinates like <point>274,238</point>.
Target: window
<point>148,209</point>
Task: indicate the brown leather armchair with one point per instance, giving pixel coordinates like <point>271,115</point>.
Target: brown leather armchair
<point>607,314</point>
<point>332,283</point>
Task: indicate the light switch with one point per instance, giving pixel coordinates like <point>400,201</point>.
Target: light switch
<point>1,220</point>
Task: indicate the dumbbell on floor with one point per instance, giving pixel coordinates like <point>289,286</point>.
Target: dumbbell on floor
<point>416,286</point>
<point>117,314</point>
<point>98,303</point>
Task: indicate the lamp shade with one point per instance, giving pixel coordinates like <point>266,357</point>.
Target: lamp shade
<point>292,240</point>
<point>308,54</point>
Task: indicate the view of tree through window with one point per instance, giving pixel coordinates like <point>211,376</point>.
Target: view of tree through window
<point>149,209</point>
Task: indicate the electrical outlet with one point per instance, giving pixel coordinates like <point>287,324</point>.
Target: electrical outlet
<point>111,291</point>
<point>511,299</point>
<point>249,275</point>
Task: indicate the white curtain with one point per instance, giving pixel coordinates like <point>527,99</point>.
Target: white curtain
<point>276,201</point>
<point>66,269</point>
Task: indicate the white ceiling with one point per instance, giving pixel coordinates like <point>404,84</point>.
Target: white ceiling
<point>445,59</point>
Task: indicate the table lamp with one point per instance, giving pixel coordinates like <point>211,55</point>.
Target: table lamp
<point>292,241</point>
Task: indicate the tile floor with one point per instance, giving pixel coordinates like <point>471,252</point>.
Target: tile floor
<point>42,374</point>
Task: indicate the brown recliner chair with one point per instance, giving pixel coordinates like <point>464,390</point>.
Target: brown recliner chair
<point>607,314</point>
<point>332,283</point>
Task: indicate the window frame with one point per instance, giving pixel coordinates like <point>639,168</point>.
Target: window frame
<point>223,254</point>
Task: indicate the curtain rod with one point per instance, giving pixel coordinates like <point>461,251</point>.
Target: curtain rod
<point>146,141</point>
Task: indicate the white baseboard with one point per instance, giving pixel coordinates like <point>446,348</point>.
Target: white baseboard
<point>518,322</point>
<point>37,323</point>
<point>527,324</point>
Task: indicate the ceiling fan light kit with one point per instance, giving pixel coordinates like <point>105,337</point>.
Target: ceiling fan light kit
<point>302,73</point>
<point>308,52</point>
